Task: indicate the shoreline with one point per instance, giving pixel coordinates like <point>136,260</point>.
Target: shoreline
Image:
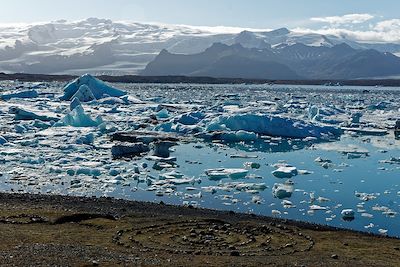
<point>86,231</point>
<point>138,206</point>
<point>25,77</point>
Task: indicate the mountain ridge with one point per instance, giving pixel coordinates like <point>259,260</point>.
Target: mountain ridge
<point>296,61</point>
<point>101,46</point>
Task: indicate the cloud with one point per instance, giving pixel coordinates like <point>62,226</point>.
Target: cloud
<point>388,25</point>
<point>378,33</point>
<point>346,19</point>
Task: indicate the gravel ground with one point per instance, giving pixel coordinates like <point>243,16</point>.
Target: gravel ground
<point>42,230</point>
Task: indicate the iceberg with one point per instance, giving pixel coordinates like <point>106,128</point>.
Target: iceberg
<point>191,118</point>
<point>347,214</point>
<point>87,88</point>
<point>78,118</point>
<point>216,174</point>
<point>282,190</point>
<point>273,126</point>
<point>162,114</point>
<point>128,150</point>
<point>285,172</point>
<point>21,94</point>
<point>23,114</point>
<point>86,139</point>
<point>229,137</point>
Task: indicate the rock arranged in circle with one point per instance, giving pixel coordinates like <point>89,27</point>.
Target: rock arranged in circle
<point>215,237</point>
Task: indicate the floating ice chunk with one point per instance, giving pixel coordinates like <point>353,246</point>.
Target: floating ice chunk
<point>41,124</point>
<point>85,171</point>
<point>321,160</point>
<point>392,160</point>
<point>23,114</point>
<point>273,126</point>
<point>365,196</point>
<point>252,165</point>
<point>347,214</point>
<point>317,207</point>
<point>97,88</point>
<point>216,174</point>
<point>78,118</point>
<point>161,148</point>
<point>325,163</point>
<point>243,156</point>
<point>287,204</point>
<point>191,118</point>
<point>367,215</point>
<point>355,117</point>
<point>322,199</point>
<point>304,172</point>
<point>285,172</point>
<point>129,149</point>
<point>366,131</point>
<point>256,199</point>
<point>162,114</point>
<point>282,190</point>
<point>21,94</point>
<point>3,140</point>
<point>370,225</point>
<point>275,212</point>
<point>383,231</point>
<point>19,128</point>
<point>86,139</point>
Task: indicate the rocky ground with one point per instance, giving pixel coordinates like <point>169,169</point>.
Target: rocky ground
<point>71,231</point>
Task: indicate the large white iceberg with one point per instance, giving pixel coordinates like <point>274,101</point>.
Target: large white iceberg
<point>272,126</point>
<point>87,87</point>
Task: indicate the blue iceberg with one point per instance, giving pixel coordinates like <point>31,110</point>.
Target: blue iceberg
<point>78,118</point>
<point>87,88</point>
<point>21,94</point>
<point>272,126</point>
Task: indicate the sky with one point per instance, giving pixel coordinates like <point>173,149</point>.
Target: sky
<point>365,18</point>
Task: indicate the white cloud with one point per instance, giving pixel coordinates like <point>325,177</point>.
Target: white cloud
<point>388,25</point>
<point>346,19</point>
<point>373,35</point>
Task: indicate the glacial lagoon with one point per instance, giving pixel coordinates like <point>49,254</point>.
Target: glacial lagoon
<point>348,157</point>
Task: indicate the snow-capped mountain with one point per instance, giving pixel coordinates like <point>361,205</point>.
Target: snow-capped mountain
<point>101,46</point>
